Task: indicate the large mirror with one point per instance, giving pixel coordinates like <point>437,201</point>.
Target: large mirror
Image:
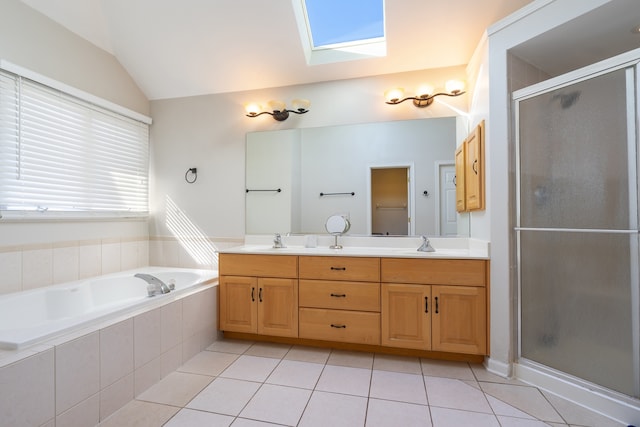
<point>297,178</point>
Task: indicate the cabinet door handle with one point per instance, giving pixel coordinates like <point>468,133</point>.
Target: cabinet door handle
<point>426,304</point>
<point>260,295</point>
<point>436,305</point>
<point>253,294</point>
<point>338,326</point>
<point>339,268</point>
<point>474,166</point>
<point>339,295</point>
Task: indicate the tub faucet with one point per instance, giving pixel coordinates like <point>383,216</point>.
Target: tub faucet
<point>426,245</point>
<point>277,242</point>
<point>155,286</point>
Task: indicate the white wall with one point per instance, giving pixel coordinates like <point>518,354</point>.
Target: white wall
<point>33,41</point>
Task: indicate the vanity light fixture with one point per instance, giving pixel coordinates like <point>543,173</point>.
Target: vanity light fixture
<point>278,109</point>
<point>425,95</point>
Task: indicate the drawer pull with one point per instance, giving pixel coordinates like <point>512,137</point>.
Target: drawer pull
<point>436,305</point>
<point>426,304</point>
<point>339,295</point>
<point>338,326</point>
<point>260,295</point>
<point>339,268</point>
<point>253,292</point>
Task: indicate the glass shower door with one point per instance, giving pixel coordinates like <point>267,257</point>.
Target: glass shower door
<point>577,237</point>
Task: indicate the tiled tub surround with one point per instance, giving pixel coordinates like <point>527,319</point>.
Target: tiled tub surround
<point>83,377</point>
<point>33,266</point>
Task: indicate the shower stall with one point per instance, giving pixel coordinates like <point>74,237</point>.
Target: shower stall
<point>576,227</point>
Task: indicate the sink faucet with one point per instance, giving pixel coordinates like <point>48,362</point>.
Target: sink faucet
<point>277,242</point>
<point>155,286</point>
<point>426,245</point>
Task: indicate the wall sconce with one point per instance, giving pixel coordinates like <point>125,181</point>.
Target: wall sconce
<point>425,95</point>
<point>278,109</point>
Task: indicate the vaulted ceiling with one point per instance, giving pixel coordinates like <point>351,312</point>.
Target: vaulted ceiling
<point>175,48</point>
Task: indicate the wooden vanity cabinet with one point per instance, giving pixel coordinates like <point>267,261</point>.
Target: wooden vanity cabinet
<point>259,294</point>
<point>437,305</point>
<point>340,299</point>
<point>422,305</point>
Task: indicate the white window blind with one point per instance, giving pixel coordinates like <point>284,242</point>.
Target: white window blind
<point>63,156</point>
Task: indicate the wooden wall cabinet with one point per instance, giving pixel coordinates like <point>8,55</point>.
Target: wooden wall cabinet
<point>470,172</point>
<point>258,304</point>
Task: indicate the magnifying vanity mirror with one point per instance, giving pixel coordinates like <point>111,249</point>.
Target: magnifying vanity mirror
<point>297,178</point>
<point>337,225</point>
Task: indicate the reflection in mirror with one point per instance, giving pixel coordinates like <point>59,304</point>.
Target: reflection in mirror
<point>338,162</point>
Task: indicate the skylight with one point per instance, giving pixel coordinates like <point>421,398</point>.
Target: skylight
<point>339,30</point>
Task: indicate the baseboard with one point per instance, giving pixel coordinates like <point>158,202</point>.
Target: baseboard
<point>498,368</point>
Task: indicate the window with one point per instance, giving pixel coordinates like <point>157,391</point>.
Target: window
<point>338,30</point>
<point>62,156</point>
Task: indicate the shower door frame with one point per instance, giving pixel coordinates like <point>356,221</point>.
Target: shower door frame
<point>529,369</point>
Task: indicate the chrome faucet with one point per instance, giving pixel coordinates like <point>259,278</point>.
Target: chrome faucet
<point>426,245</point>
<point>155,286</point>
<point>277,242</point>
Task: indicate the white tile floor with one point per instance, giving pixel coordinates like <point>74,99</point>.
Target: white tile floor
<point>245,384</point>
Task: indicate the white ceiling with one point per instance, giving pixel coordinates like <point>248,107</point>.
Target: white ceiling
<point>176,48</point>
<point>606,31</point>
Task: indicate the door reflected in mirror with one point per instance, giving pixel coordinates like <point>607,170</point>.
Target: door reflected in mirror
<point>339,163</point>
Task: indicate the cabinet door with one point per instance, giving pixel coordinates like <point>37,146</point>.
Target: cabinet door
<point>406,316</point>
<point>238,304</point>
<point>474,169</point>
<point>278,307</point>
<point>461,197</point>
<point>459,319</point>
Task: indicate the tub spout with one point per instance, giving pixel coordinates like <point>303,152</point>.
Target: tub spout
<point>156,286</point>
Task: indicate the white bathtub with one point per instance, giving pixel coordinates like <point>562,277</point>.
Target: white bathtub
<point>33,316</point>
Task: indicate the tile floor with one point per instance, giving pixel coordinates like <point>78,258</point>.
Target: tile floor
<point>245,384</point>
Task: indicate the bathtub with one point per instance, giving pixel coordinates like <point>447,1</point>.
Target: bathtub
<point>34,316</point>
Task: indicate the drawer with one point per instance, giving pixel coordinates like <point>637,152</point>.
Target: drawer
<point>258,265</point>
<point>339,325</point>
<point>340,268</point>
<point>340,295</point>
<point>468,272</point>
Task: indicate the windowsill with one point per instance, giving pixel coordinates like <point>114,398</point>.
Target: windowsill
<point>22,217</point>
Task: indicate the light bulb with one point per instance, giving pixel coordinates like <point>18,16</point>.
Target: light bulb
<point>300,104</point>
<point>252,108</point>
<point>277,105</point>
<point>425,90</point>
<point>454,86</point>
<point>394,95</point>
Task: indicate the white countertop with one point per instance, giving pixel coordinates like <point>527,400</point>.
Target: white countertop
<point>378,246</point>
